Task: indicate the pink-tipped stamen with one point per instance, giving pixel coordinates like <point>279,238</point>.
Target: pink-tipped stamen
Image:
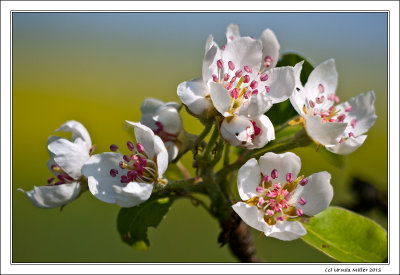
<point>274,174</point>
<point>321,88</point>
<point>302,201</point>
<point>299,212</point>
<point>264,77</point>
<point>353,122</point>
<point>220,63</point>
<point>231,65</point>
<point>289,177</point>
<point>140,148</point>
<point>253,84</point>
<point>113,173</point>
<point>248,69</point>
<point>303,182</point>
<point>113,147</point>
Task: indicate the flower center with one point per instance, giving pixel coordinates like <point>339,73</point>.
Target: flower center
<point>239,83</point>
<point>328,114</point>
<point>138,166</point>
<point>274,199</point>
<point>62,176</point>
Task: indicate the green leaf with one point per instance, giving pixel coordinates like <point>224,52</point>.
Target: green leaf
<point>335,159</point>
<point>134,222</point>
<point>291,59</point>
<point>347,236</point>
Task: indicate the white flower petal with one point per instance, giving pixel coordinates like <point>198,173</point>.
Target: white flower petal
<point>194,95</point>
<point>145,136</point>
<point>243,51</point>
<point>237,131</point>
<point>248,179</point>
<point>220,97</point>
<point>232,32</point>
<point>150,105</point>
<point>267,132</point>
<point>211,55</point>
<point>324,133</point>
<point>318,192</point>
<point>53,196</point>
<point>270,46</point>
<point>257,105</point>
<point>162,156</point>
<point>284,163</point>
<point>281,82</point>
<point>286,231</point>
<point>170,119</point>
<point>172,150</point>
<point>363,110</point>
<point>298,98</point>
<point>132,194</point>
<point>97,170</point>
<point>348,146</point>
<point>251,215</point>
<point>69,156</point>
<point>325,74</point>
<point>78,131</point>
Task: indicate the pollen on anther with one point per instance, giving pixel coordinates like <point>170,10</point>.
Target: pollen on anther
<point>321,88</point>
<point>348,109</point>
<point>353,122</point>
<point>231,65</point>
<point>270,212</point>
<point>140,148</point>
<point>220,63</point>
<point>248,69</point>
<point>246,79</point>
<point>303,182</point>
<point>259,189</point>
<point>226,77</point>
<point>113,147</point>
<point>113,172</point>
<point>130,145</point>
<point>289,177</point>
<point>302,201</point>
<point>299,212</point>
<point>215,78</point>
<point>253,84</point>
<point>264,77</point>
<point>238,73</point>
<point>274,174</point>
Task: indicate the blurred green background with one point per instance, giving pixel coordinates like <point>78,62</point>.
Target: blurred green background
<point>98,67</point>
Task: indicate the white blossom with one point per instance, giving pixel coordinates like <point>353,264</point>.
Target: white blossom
<point>340,128</point>
<point>128,180</point>
<point>274,196</point>
<point>66,160</point>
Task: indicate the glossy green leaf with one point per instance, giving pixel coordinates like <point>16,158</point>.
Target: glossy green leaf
<point>347,236</point>
<point>134,222</point>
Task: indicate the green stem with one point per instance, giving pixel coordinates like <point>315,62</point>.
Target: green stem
<point>219,149</point>
<point>202,135</point>
<point>211,143</point>
<point>227,154</point>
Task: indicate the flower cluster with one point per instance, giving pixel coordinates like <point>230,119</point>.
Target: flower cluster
<point>240,82</point>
